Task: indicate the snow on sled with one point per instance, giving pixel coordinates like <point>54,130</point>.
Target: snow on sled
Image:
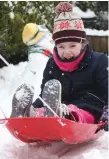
<point>50,129</point>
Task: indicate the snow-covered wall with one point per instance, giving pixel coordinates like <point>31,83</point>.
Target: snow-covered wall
<point>94,32</point>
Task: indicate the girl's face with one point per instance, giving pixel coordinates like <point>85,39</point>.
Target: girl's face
<point>67,50</point>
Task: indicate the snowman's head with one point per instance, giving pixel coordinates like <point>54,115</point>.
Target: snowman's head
<point>46,41</point>
<point>37,35</point>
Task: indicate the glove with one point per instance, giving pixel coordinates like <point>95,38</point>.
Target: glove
<point>104,117</point>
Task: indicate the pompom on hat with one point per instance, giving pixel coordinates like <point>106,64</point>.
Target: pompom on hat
<point>32,34</point>
<point>67,25</point>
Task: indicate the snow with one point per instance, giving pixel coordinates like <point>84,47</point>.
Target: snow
<point>13,76</point>
<point>80,13</point>
<point>12,15</point>
<point>19,94</point>
<point>94,32</point>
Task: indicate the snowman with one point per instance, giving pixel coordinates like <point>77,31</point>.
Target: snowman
<point>40,47</point>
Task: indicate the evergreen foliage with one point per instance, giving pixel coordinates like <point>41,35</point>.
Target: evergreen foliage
<point>15,14</point>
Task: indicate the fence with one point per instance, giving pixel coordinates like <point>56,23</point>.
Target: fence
<point>99,43</point>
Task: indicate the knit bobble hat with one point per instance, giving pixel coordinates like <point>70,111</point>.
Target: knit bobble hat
<point>67,25</point>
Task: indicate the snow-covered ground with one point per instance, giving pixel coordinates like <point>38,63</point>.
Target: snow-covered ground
<point>10,148</point>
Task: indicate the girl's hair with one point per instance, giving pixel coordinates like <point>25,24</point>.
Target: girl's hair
<point>84,44</point>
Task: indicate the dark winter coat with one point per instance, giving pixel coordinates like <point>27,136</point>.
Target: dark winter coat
<point>86,87</point>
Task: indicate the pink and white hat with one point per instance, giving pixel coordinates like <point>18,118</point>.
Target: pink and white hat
<point>67,25</point>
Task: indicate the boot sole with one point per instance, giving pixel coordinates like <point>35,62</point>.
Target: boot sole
<point>52,96</point>
<point>22,101</point>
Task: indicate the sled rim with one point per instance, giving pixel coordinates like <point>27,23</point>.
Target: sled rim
<point>44,118</point>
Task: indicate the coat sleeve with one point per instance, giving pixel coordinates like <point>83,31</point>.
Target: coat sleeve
<point>46,77</point>
<point>102,77</point>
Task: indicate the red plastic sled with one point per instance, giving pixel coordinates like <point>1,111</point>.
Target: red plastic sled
<point>50,129</point>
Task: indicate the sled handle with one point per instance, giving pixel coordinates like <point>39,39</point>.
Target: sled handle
<point>52,109</point>
<point>3,112</point>
<point>4,60</point>
<point>48,106</point>
<point>2,121</point>
<point>101,124</point>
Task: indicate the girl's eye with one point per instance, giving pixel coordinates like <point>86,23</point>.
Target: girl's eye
<point>72,46</point>
<point>61,47</point>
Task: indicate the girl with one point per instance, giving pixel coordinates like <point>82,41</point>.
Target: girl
<point>81,71</point>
